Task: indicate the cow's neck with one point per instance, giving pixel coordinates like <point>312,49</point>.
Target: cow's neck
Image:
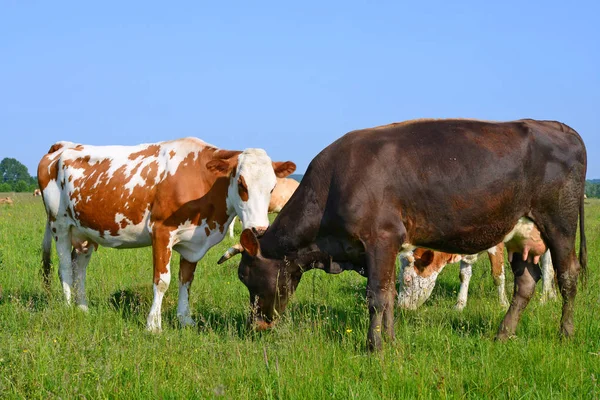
<point>296,228</point>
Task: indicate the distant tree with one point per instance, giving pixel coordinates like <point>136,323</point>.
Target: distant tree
<point>5,187</point>
<point>12,171</point>
<point>21,186</point>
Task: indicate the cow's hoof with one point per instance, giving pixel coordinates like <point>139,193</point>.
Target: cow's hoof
<point>186,321</point>
<point>459,306</point>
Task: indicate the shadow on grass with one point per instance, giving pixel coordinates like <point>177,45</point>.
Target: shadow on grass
<point>33,301</point>
<point>131,303</point>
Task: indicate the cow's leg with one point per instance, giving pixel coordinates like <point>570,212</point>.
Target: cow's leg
<point>65,267</point>
<point>81,260</point>
<point>526,276</point>
<point>548,290</point>
<point>186,276</point>
<point>496,255</point>
<point>381,292</point>
<point>567,270</point>
<point>231,225</point>
<point>466,271</point>
<point>161,255</point>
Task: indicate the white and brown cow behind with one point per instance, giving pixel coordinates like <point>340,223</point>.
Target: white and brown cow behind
<point>176,195</point>
<point>284,189</point>
<point>420,268</point>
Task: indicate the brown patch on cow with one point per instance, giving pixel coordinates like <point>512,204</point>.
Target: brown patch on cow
<point>55,147</point>
<point>151,151</point>
<point>172,154</point>
<point>242,189</point>
<point>47,171</point>
<point>206,230</point>
<point>54,230</point>
<point>497,260</point>
<point>429,261</point>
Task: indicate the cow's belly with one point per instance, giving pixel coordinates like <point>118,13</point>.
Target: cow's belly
<point>129,236</point>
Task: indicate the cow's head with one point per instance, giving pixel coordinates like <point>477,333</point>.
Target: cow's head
<point>271,282</point>
<point>418,273</point>
<point>252,177</point>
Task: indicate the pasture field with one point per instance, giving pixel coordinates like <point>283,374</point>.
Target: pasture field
<point>49,350</point>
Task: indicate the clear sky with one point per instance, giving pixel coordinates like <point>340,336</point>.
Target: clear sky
<point>289,77</point>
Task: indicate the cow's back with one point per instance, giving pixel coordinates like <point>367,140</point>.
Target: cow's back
<point>107,193</point>
<point>447,179</point>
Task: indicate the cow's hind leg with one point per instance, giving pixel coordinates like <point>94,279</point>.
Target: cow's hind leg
<point>381,292</point>
<point>567,269</point>
<point>161,255</point>
<point>65,267</point>
<point>186,276</point>
<point>81,259</point>
<point>526,276</point>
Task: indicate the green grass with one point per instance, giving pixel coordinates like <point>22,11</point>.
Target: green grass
<point>48,350</point>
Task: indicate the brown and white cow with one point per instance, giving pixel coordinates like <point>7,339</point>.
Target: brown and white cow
<point>37,192</point>
<point>420,270</point>
<point>457,186</point>
<point>175,195</point>
<point>284,189</point>
<point>6,200</point>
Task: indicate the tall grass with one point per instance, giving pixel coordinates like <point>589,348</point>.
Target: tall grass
<point>317,350</point>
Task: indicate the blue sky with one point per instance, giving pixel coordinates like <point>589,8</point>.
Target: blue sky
<point>290,78</point>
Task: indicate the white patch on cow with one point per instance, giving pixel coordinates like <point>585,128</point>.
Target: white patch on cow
<point>492,250</point>
<point>414,289</point>
<point>257,169</point>
<point>466,272</point>
<point>154,319</point>
<point>500,282</point>
<point>191,240</point>
<point>548,289</point>
<point>523,227</point>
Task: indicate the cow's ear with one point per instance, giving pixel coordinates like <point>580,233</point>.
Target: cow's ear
<point>219,167</point>
<point>318,260</point>
<point>250,243</point>
<point>283,169</point>
<point>425,259</point>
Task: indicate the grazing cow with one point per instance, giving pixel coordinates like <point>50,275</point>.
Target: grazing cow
<point>176,195</point>
<point>284,189</point>
<point>420,270</point>
<point>6,200</point>
<point>457,186</point>
<point>37,192</point>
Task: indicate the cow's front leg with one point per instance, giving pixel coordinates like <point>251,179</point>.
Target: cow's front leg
<point>186,276</point>
<point>161,255</point>
<point>381,292</point>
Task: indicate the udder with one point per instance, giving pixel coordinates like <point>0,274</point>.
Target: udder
<point>525,238</point>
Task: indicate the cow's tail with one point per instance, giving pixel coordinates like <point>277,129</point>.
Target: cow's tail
<point>582,243</point>
<point>46,255</point>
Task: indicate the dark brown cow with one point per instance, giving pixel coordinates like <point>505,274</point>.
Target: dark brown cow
<point>457,186</point>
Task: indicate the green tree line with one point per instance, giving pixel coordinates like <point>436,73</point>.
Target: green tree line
<point>14,177</point>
